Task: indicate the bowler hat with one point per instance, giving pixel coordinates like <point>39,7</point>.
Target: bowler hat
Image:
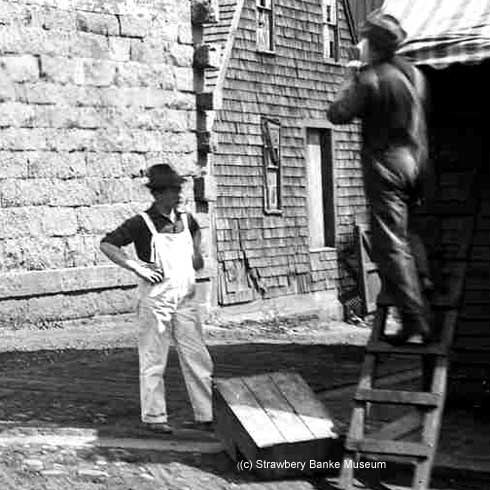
<point>383,31</point>
<point>162,176</point>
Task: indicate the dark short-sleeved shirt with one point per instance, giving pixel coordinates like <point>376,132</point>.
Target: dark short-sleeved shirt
<point>135,230</point>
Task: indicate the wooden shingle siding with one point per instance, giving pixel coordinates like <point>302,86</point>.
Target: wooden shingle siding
<point>294,85</point>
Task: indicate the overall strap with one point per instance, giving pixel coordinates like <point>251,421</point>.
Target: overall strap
<point>185,220</point>
<point>149,223</point>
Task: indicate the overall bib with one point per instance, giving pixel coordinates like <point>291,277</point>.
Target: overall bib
<point>167,312</point>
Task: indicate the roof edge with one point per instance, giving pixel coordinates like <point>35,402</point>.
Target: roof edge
<point>230,42</point>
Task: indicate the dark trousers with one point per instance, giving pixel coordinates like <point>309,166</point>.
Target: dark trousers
<point>390,183</point>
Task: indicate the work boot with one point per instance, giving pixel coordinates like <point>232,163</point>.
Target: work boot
<point>411,325</point>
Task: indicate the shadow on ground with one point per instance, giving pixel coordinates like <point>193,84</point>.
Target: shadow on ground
<point>98,390</point>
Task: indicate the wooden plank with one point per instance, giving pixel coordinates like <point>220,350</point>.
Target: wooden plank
<point>477,328</point>
<point>277,407</point>
<point>248,411</point>
<point>309,408</point>
<point>399,428</point>
<point>476,312</point>
<point>398,397</point>
<point>481,344</point>
<point>399,448</point>
<point>412,349</point>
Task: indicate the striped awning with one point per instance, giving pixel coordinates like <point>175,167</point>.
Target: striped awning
<point>442,32</point>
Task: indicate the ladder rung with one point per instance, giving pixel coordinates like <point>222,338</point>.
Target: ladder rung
<point>399,448</point>
<point>421,349</point>
<point>398,397</point>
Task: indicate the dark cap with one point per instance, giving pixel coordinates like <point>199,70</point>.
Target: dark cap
<point>162,176</point>
<point>383,31</point>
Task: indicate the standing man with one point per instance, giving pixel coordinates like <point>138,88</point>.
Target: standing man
<point>167,244</point>
<point>388,94</point>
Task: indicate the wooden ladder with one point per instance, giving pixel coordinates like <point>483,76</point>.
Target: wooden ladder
<point>428,405</point>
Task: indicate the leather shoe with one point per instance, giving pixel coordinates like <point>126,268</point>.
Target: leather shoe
<point>206,426</point>
<point>158,427</point>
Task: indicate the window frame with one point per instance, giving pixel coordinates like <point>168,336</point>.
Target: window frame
<point>270,10</point>
<point>267,152</point>
<point>327,25</point>
<point>330,220</point>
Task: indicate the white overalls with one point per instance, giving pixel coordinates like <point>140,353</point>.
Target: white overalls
<point>166,311</point>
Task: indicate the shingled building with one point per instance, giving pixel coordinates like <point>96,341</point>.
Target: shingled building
<point>288,184</point>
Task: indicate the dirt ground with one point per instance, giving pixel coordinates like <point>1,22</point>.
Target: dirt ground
<point>69,406</point>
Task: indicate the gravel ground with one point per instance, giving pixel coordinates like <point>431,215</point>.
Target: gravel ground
<point>81,378</point>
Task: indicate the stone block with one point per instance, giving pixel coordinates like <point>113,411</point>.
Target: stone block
<point>55,307</point>
<point>112,301</point>
<point>12,313</point>
<point>59,222</point>
<point>168,30</point>
<point>7,88</point>
<point>72,193</point>
<point>185,34</point>
<point>104,165</point>
<point>133,164</point>
<point>81,250</point>
<point>181,54</point>
<point>119,49</point>
<point>21,68</point>
<point>13,165</point>
<point>132,26</point>
<point>20,222</point>
<point>136,74</point>
<point>99,73</point>
<point>147,52</point>
<point>62,70</point>
<point>12,255</point>
<point>13,13</point>
<point>32,192</point>
<point>114,191</point>
<point>57,19</point>
<point>145,141</point>
<point>87,45</point>
<point>41,253</point>
<point>102,218</point>
<point>184,78</point>
<point>68,280</point>
<point>16,114</point>
<point>185,163</point>
<point>113,140</point>
<point>105,25</point>
<point>52,164</point>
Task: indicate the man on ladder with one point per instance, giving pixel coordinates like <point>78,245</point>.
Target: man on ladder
<point>388,94</point>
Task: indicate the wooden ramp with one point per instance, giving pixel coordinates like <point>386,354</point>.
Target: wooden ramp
<point>275,423</point>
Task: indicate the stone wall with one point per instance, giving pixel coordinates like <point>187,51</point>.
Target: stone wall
<point>92,92</point>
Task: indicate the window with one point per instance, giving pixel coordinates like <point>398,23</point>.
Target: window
<point>330,30</point>
<point>320,188</point>
<point>271,136</point>
<point>265,25</point>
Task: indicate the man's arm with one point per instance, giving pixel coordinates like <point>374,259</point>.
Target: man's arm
<point>350,100</point>
<point>141,269</point>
